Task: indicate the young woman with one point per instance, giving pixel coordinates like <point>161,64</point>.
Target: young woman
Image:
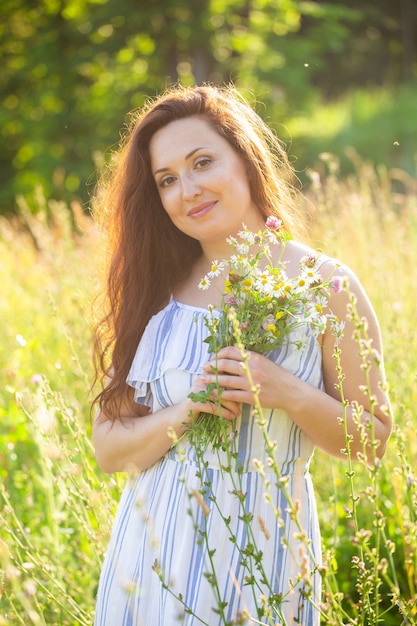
<point>196,164</point>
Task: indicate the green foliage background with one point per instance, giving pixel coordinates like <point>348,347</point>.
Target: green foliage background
<point>72,69</point>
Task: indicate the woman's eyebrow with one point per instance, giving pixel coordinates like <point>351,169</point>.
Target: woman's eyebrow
<point>187,156</point>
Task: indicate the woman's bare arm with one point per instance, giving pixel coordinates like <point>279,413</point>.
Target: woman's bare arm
<point>137,438</point>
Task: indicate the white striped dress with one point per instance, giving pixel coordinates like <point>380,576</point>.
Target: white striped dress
<point>168,528</point>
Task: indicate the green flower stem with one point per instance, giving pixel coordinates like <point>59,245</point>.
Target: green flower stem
<point>250,554</point>
<point>270,448</point>
<point>158,571</point>
<point>211,575</point>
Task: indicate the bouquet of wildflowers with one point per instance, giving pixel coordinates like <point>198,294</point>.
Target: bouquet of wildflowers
<point>264,302</point>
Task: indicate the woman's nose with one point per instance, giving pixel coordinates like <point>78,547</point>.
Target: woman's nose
<point>190,187</point>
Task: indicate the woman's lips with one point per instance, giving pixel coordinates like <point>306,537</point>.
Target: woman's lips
<point>201,210</point>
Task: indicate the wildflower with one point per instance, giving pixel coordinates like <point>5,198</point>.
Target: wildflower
<point>216,268</point>
<point>248,236</point>
<point>266,250</point>
<point>230,299</point>
<point>309,260</point>
<point>337,327</point>
<point>234,277</point>
<point>274,223</point>
<point>356,562</point>
<point>310,276</point>
<point>204,283</point>
<point>243,249</point>
<point>269,323</point>
<point>337,284</point>
<point>265,285</point>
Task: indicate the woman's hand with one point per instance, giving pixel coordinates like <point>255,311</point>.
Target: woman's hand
<point>276,385</point>
<point>227,409</point>
<point>137,438</point>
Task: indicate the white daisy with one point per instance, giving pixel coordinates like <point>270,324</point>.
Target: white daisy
<point>204,283</point>
<point>216,268</point>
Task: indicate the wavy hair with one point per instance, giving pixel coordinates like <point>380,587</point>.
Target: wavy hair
<point>147,255</point>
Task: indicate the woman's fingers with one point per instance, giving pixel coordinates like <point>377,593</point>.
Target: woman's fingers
<point>226,409</point>
<point>238,376</point>
<point>227,359</point>
<point>214,403</point>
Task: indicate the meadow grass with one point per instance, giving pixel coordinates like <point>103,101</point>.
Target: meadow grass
<point>56,506</point>
<point>369,221</point>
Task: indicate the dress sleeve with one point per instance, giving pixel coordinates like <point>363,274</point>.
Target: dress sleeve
<point>173,339</point>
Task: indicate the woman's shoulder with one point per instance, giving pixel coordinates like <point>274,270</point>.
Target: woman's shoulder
<point>330,268</point>
<point>296,252</point>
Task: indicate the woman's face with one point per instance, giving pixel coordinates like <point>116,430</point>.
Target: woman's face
<point>202,181</point>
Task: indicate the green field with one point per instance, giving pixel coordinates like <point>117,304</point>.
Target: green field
<point>57,506</point>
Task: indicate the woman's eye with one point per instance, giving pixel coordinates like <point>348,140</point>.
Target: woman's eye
<point>202,162</point>
<point>167,181</point>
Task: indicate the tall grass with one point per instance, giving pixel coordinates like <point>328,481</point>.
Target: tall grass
<point>369,221</point>
<point>57,506</point>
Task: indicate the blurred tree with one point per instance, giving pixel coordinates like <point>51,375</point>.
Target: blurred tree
<point>409,31</point>
<point>71,69</point>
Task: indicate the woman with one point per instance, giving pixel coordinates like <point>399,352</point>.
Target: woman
<point>196,165</point>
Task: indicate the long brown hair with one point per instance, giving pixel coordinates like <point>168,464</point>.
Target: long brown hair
<point>147,254</point>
